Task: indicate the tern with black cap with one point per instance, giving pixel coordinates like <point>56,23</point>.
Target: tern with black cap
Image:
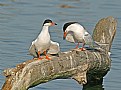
<point>76,33</point>
<point>42,43</point>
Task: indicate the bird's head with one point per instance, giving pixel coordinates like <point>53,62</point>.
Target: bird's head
<point>66,28</point>
<point>49,22</point>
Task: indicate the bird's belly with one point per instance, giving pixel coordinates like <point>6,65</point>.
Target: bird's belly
<point>42,46</point>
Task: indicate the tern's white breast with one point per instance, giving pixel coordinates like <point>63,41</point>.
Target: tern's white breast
<point>43,40</point>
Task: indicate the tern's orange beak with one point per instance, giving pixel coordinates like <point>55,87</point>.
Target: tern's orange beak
<point>64,35</point>
<point>52,24</point>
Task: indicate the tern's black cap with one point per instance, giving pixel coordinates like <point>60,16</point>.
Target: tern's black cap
<point>48,21</point>
<point>67,24</point>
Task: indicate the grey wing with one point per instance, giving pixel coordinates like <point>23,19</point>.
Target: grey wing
<point>88,39</point>
<point>54,48</point>
<point>32,50</point>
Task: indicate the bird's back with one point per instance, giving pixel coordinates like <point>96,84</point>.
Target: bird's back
<point>78,32</point>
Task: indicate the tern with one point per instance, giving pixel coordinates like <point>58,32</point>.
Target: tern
<point>42,43</point>
<point>76,33</point>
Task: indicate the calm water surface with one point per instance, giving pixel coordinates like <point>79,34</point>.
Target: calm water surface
<point>20,23</point>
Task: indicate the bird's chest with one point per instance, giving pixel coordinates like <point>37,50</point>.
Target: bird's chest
<point>43,40</point>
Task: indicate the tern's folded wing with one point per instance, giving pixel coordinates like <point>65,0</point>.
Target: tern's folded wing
<point>88,39</point>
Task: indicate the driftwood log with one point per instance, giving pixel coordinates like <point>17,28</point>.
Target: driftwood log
<point>89,66</point>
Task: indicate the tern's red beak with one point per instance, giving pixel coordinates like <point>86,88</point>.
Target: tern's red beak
<point>52,24</point>
<point>64,35</point>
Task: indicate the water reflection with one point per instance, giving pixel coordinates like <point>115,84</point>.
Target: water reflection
<point>66,6</point>
<point>1,4</point>
<point>94,85</point>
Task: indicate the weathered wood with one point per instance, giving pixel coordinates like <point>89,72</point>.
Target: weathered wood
<point>83,66</point>
<point>104,32</point>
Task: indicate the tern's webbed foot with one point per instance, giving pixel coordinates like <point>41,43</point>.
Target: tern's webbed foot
<point>82,49</point>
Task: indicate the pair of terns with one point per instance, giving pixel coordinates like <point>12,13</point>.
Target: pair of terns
<point>73,32</point>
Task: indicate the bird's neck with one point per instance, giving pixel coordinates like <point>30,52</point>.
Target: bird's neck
<point>45,28</point>
<point>44,31</point>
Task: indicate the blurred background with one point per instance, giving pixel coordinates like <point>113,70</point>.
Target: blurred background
<point>21,22</point>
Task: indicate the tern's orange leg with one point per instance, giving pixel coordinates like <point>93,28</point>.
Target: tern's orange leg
<point>47,56</point>
<point>39,58</point>
<point>77,46</point>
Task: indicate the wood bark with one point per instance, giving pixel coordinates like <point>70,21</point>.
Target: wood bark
<point>84,66</point>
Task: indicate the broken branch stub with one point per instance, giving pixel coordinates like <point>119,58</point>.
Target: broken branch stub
<point>105,31</point>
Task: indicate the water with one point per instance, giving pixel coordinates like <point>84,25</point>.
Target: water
<point>20,23</point>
